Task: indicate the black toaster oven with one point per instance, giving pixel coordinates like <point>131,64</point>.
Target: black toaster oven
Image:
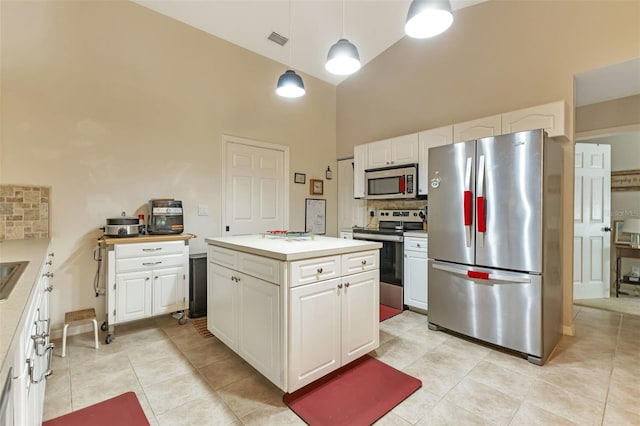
<point>165,217</point>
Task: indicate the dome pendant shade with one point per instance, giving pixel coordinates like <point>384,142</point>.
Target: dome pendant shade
<point>428,18</point>
<point>343,58</point>
<point>290,85</point>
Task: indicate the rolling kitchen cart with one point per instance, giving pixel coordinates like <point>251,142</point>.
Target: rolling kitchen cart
<point>146,276</point>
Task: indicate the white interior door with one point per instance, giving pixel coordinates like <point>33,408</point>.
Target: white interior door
<point>592,219</point>
<point>255,185</point>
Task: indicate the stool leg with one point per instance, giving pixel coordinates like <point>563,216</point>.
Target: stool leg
<point>64,340</point>
<point>95,331</point>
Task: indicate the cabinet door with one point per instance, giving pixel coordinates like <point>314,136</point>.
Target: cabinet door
<point>314,332</point>
<point>222,311</point>
<point>476,129</point>
<point>259,326</point>
<point>360,153</point>
<point>169,290</point>
<point>360,315</point>
<point>415,279</point>
<point>404,149</point>
<point>379,154</point>
<point>430,139</point>
<point>551,117</point>
<point>133,296</point>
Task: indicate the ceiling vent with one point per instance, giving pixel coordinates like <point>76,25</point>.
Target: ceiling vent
<point>278,39</point>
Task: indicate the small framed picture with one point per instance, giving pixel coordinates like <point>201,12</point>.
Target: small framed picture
<point>299,178</point>
<point>316,186</point>
<point>619,237</point>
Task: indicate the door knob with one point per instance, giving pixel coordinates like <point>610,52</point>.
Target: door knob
<point>607,229</point>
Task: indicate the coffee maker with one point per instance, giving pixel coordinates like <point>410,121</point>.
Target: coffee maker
<point>165,217</point>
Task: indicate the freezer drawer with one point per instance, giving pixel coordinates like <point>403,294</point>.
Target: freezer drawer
<point>499,307</point>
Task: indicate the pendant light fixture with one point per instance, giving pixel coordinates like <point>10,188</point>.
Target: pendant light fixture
<point>428,18</point>
<point>290,84</point>
<point>343,57</point>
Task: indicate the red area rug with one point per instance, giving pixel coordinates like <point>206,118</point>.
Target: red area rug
<point>357,394</point>
<point>387,312</point>
<point>123,410</point>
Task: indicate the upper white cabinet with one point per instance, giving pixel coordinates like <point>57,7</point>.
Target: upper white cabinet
<point>476,129</point>
<point>393,152</point>
<point>430,139</point>
<point>360,154</point>
<point>552,117</point>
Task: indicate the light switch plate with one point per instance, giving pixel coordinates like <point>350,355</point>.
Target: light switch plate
<point>203,210</point>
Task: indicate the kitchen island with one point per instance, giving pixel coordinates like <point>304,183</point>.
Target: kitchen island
<point>294,308</point>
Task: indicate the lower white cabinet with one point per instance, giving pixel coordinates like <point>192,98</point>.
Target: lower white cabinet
<point>244,313</point>
<point>332,324</point>
<point>146,279</point>
<point>415,272</point>
<point>301,323</point>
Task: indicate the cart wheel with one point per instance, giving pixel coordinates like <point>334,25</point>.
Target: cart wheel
<point>183,320</point>
<point>108,339</point>
<point>104,326</point>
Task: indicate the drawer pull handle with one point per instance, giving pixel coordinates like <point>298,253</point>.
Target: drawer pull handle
<point>418,245</point>
<point>152,249</point>
<point>151,263</point>
<point>346,284</point>
<point>49,262</point>
<point>364,262</point>
<point>339,285</point>
<point>319,270</point>
<point>48,275</point>
<point>48,289</point>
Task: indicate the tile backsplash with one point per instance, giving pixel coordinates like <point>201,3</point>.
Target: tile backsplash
<point>24,212</point>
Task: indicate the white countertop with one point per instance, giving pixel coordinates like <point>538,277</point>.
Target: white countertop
<point>11,310</point>
<point>419,234</point>
<point>293,249</point>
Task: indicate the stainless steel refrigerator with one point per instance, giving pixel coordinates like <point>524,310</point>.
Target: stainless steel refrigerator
<point>494,241</point>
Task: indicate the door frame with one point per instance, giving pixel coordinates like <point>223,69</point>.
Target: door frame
<point>227,139</point>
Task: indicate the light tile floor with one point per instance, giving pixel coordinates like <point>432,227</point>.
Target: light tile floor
<point>181,378</point>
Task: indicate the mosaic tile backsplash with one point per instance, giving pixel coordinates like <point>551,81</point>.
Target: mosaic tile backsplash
<point>24,212</point>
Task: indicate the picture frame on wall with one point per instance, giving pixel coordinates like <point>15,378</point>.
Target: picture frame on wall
<point>620,238</point>
<point>315,216</point>
<point>316,186</point>
<point>625,180</point>
<point>299,178</point>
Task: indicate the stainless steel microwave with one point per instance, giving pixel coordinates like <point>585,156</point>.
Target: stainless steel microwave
<point>399,182</point>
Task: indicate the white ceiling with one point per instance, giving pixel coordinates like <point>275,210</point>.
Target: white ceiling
<point>372,25</point>
<point>607,83</point>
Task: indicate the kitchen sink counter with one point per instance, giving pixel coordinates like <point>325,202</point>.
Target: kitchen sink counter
<point>11,310</point>
<point>296,248</point>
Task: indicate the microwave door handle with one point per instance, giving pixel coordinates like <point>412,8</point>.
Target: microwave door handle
<point>403,183</point>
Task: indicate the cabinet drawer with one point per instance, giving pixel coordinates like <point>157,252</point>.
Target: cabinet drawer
<point>260,267</point>
<point>414,243</point>
<point>313,270</point>
<point>223,256</point>
<point>150,262</point>
<point>354,263</point>
<point>148,249</point>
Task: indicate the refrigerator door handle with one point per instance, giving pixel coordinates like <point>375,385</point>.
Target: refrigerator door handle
<point>482,275</point>
<point>468,197</point>
<point>480,204</point>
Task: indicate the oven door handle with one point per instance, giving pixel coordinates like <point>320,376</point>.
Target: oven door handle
<point>378,237</point>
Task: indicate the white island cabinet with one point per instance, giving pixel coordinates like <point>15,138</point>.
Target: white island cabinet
<point>295,309</point>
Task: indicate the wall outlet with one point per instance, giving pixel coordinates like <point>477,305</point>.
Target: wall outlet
<point>203,210</point>
<point>372,213</point>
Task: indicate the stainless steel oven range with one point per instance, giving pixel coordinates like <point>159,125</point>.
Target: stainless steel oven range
<point>391,226</point>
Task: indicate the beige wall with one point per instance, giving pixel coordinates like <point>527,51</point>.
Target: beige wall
<point>613,114</point>
<point>498,56</point>
<point>111,104</point>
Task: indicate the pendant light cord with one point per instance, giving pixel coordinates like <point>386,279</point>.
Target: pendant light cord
<point>343,18</point>
<point>290,35</point>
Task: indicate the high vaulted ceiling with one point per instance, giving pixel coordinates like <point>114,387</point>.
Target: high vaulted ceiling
<point>372,25</point>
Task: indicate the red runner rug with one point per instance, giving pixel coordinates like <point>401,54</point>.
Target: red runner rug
<point>123,410</point>
<point>387,312</point>
<point>357,394</point>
